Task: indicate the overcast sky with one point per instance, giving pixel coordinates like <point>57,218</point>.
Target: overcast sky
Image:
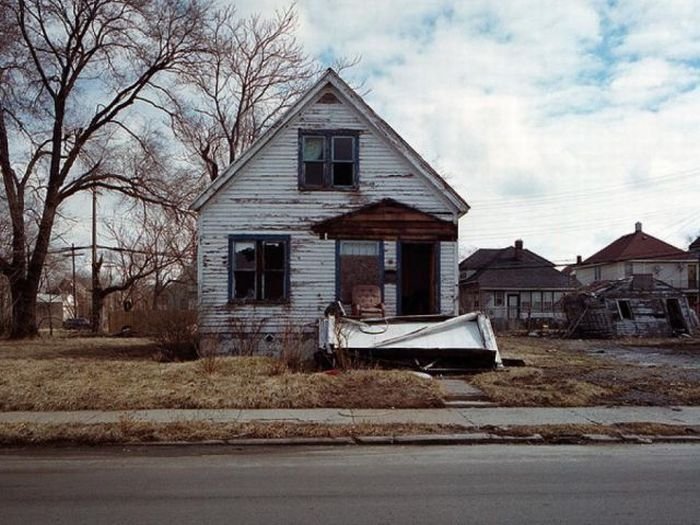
<point>560,122</point>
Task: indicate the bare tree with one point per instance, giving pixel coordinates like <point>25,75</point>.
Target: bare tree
<point>71,73</point>
<point>251,72</point>
<point>153,247</point>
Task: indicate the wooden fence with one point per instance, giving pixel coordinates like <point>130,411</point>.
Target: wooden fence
<point>146,322</point>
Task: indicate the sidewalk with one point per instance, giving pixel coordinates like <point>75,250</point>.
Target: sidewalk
<point>467,417</point>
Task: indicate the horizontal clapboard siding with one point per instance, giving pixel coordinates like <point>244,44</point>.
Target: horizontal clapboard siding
<point>263,197</point>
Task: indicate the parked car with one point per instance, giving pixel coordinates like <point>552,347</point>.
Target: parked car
<point>76,323</point>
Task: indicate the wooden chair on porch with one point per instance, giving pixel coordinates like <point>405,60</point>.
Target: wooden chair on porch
<point>367,301</point>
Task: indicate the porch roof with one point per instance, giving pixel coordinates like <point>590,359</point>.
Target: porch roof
<point>387,220</point>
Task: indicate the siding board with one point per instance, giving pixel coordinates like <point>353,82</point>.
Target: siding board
<point>264,197</point>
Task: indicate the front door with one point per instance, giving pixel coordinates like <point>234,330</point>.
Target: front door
<point>513,306</point>
<point>418,277</point>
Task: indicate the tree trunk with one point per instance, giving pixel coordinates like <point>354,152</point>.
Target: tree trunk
<point>98,300</point>
<point>23,310</point>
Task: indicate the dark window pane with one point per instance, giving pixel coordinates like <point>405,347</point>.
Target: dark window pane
<point>274,255</point>
<point>313,174</point>
<point>244,285</point>
<point>343,148</point>
<point>244,255</point>
<point>314,148</point>
<point>343,173</point>
<point>273,285</point>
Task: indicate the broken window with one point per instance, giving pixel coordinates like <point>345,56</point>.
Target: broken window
<point>597,273</point>
<point>629,269</point>
<point>692,276</point>
<point>625,309</point>
<point>259,268</point>
<point>328,159</point>
<point>359,263</point>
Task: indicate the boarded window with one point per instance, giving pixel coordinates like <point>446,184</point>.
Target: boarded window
<point>259,268</point>
<point>359,263</point>
<point>597,273</point>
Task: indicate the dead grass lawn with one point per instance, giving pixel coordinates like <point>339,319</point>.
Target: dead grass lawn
<point>119,374</point>
<point>569,373</point>
<point>127,431</point>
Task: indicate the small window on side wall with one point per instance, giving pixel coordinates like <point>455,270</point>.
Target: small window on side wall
<point>328,159</point>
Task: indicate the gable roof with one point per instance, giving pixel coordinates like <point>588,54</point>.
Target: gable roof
<point>387,220</point>
<point>331,78</point>
<point>628,286</point>
<point>695,245</point>
<point>637,245</point>
<point>513,268</point>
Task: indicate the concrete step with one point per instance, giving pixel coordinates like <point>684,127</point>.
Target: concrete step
<point>460,390</point>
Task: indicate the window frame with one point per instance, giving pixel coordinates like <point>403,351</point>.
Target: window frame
<point>624,306</point>
<point>328,161</point>
<point>338,263</point>
<point>259,240</point>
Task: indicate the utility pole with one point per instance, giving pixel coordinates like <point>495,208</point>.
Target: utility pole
<point>94,318</point>
<point>75,295</point>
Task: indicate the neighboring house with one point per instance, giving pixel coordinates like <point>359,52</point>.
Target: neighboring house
<point>694,298</point>
<point>513,286</point>
<point>641,253</point>
<point>639,305</point>
<point>49,310</point>
<point>327,199</point>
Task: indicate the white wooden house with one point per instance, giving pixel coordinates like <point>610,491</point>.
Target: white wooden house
<point>329,198</point>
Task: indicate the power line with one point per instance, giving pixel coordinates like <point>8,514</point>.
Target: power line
<point>600,188</point>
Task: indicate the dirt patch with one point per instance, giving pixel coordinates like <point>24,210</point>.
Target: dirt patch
<point>576,430</point>
<point>585,373</point>
<point>115,374</point>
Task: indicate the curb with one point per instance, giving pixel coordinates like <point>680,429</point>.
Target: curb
<point>475,438</point>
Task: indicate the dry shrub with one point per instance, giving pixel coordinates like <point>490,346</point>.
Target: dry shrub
<point>176,335</point>
<point>247,333</point>
<point>292,351</point>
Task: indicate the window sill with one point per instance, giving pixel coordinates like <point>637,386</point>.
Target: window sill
<point>258,302</point>
<point>332,188</point>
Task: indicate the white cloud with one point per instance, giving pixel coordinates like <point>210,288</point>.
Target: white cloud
<point>556,120</point>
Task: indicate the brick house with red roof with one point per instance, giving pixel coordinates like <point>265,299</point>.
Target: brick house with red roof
<point>640,253</point>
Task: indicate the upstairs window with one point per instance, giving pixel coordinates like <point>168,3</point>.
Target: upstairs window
<point>328,159</point>
<point>259,268</point>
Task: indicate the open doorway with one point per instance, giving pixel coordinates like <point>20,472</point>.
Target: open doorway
<point>675,315</point>
<point>418,286</point>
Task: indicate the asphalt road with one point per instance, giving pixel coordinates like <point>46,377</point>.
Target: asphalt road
<point>477,484</point>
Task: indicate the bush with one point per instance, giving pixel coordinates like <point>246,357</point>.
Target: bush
<point>176,335</point>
